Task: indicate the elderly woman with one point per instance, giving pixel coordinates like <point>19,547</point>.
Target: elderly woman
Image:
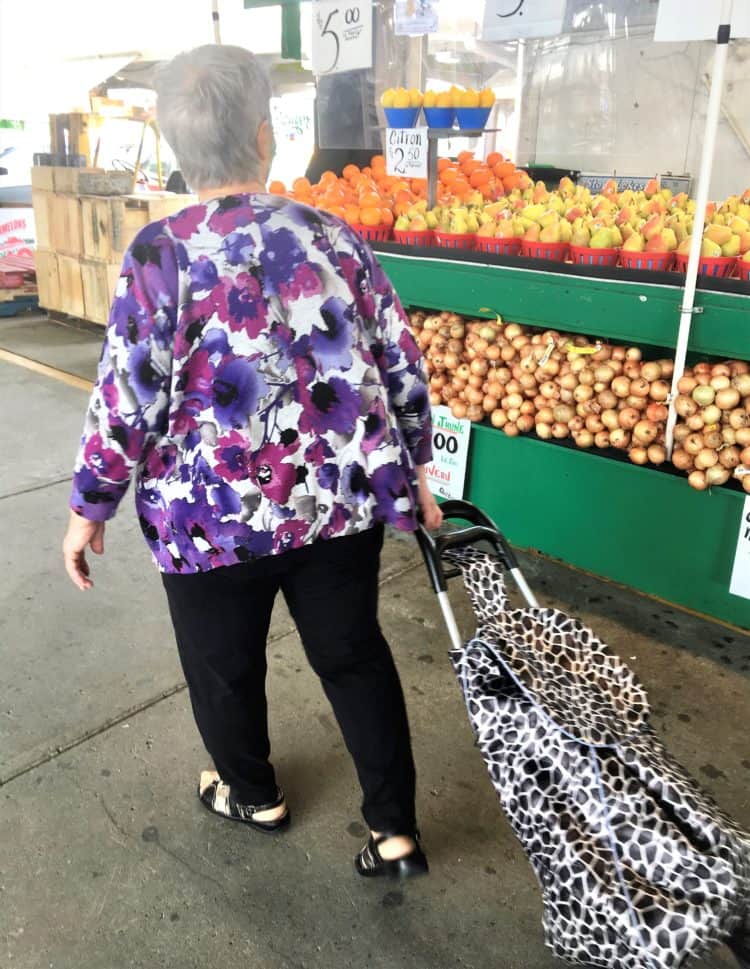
<point>260,382</point>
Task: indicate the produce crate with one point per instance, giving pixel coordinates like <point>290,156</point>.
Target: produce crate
<point>99,281</point>
<point>111,224</point>
<point>71,287</point>
<point>47,279</point>
<point>65,227</point>
<point>41,202</point>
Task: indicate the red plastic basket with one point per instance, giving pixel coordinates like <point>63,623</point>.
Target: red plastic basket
<point>743,270</point>
<point>408,238</point>
<point>655,261</point>
<point>584,256</point>
<point>721,266</point>
<point>501,247</point>
<point>373,233</point>
<point>554,251</point>
<point>453,240</point>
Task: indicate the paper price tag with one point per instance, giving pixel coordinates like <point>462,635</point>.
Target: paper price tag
<point>511,19</point>
<point>446,473</point>
<point>740,584</point>
<point>341,36</point>
<point>406,152</point>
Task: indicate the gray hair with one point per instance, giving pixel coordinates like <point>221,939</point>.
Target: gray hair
<point>211,102</point>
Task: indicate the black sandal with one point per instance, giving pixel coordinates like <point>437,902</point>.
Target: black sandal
<point>217,797</point>
<point>371,864</point>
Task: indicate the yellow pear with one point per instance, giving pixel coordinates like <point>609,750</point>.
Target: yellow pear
<point>731,248</point>
<point>710,249</point>
<point>634,244</point>
<point>720,234</point>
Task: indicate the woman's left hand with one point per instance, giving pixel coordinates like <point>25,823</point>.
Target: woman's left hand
<point>81,533</point>
<point>432,516</point>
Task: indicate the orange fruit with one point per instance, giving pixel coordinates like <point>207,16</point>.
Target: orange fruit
<point>417,184</point>
<point>449,176</point>
<point>369,200</point>
<point>328,178</point>
<point>277,188</point>
<point>493,158</point>
<point>479,177</point>
<point>401,208</point>
<point>350,171</point>
<point>444,163</point>
<point>386,217</point>
<point>367,171</point>
<point>351,214</point>
<point>464,156</point>
<point>338,210</point>
<point>471,166</point>
<point>504,168</point>
<point>377,161</point>
<point>511,181</point>
<point>301,185</point>
<point>370,216</point>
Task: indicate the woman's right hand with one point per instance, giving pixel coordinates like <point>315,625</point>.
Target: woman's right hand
<point>432,516</point>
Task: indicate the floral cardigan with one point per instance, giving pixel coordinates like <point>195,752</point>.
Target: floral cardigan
<point>260,381</point>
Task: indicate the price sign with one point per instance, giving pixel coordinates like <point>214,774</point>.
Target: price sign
<point>446,473</point>
<point>341,36</point>
<point>511,19</point>
<point>681,20</point>
<point>406,152</point>
<point>740,584</point>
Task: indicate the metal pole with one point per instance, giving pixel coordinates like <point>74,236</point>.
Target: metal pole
<point>520,69</point>
<point>215,18</point>
<point>704,179</point>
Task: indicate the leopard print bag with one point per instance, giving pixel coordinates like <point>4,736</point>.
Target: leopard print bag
<point>638,867</point>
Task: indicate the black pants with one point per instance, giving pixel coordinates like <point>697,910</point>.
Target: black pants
<point>221,621</point>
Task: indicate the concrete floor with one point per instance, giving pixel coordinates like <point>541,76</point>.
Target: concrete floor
<point>109,862</point>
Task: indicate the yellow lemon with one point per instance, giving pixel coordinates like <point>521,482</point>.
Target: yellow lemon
<point>445,99</point>
<point>387,97</point>
<point>470,99</point>
<point>430,99</point>
<point>486,98</point>
<point>416,98</point>
<point>402,99</point>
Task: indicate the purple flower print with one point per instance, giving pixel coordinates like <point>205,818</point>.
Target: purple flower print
<point>203,274</point>
<point>186,223</point>
<point>102,459</point>
<point>237,388</point>
<point>394,503</point>
<point>355,485</point>
<point>225,499</point>
<point>317,452</point>
<point>279,257</point>
<point>237,248</point>
<point>328,477</point>
<point>247,308</point>
<point>231,213</point>
<point>329,405</point>
<point>338,520</point>
<point>232,457</point>
<point>145,379</point>
<point>332,338</point>
<point>305,283</point>
<point>274,476</point>
<point>375,427</point>
<point>290,535</point>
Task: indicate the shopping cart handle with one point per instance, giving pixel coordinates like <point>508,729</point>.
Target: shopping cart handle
<point>482,529</point>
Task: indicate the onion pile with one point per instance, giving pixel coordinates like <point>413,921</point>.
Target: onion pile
<point>558,386</point>
<point>712,436</point>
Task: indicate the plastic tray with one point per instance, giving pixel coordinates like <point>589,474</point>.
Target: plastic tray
<point>501,247</point>
<point>373,233</point>
<point>655,261</point>
<point>585,256</point>
<point>453,240</point>
<point>555,251</point>
<point>408,238</point>
<point>719,266</point>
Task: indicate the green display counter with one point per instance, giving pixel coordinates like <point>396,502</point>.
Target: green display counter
<point>639,526</point>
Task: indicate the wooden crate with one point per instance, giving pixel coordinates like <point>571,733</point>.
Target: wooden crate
<point>40,200</point>
<point>99,282</point>
<point>111,224</point>
<point>47,279</point>
<point>97,228</point>
<point>66,231</point>
<point>71,286</point>
<point>43,178</point>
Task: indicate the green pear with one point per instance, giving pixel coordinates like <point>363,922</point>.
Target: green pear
<point>669,239</point>
<point>684,247</point>
<point>580,237</point>
<point>739,225</point>
<point>635,243</point>
<point>731,248</point>
<point>710,249</point>
<point>601,239</point>
<point>656,243</point>
<point>550,233</point>
<point>431,220</point>
<point>488,229</point>
<point>549,218</point>
<point>720,234</point>
<point>653,226</point>
<point>616,235</point>
<point>472,223</point>
<point>402,223</point>
<point>566,230</point>
<point>533,232</point>
<point>534,212</point>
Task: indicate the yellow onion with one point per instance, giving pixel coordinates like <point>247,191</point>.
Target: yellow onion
<point>620,438</point>
<point>697,480</point>
<point>560,430</point>
<point>601,440</point>
<point>706,458</point>
<point>499,418</point>
<point>716,476</point>
<point>704,395</point>
<point>682,460</point>
<point>638,455</point>
<point>657,454</point>
<point>729,457</point>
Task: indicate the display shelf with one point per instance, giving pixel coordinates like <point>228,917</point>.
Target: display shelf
<point>635,525</point>
<point>632,307</point>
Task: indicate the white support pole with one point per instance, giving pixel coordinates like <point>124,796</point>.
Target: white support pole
<point>704,179</point>
<point>216,21</point>
<point>520,71</point>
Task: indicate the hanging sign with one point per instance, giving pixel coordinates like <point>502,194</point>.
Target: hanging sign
<point>17,232</point>
<point>413,18</point>
<point>406,152</point>
<point>341,36</point>
<point>740,584</point>
<point>446,473</point>
<point>681,20</point>
<point>515,19</point>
